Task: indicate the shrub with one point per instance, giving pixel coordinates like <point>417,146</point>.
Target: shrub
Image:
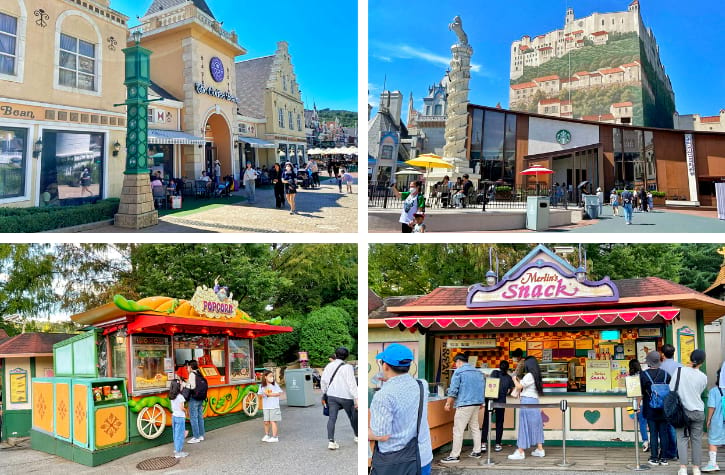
<point>503,189</point>
<point>33,220</point>
<point>324,331</point>
<point>658,194</point>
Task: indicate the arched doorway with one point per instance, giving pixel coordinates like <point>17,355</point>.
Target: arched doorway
<point>218,145</point>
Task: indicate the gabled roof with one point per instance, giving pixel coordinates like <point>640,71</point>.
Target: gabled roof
<point>633,64</point>
<point>159,5</point>
<point>622,104</point>
<point>252,77</point>
<point>553,77</point>
<point>599,33</point>
<point>31,344</point>
<point>545,102</point>
<point>611,71</point>
<point>374,301</point>
<point>161,92</point>
<point>525,85</point>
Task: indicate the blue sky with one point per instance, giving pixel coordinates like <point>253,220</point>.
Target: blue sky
<point>322,41</point>
<point>411,45</point>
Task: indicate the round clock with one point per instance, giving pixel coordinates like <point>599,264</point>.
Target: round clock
<point>563,136</point>
<point>216,67</point>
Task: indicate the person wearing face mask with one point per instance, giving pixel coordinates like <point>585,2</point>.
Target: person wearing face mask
<point>290,186</point>
<point>413,202</point>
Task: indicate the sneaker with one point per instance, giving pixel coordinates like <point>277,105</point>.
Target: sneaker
<point>475,455</point>
<point>291,212</point>
<point>498,448</point>
<point>193,440</point>
<point>265,438</point>
<point>645,446</point>
<point>201,438</point>
<point>450,459</point>
<point>517,455</point>
<point>273,439</point>
<point>664,462</point>
<point>653,462</point>
<point>710,467</point>
<point>180,455</point>
<point>695,470</point>
<point>332,445</point>
<point>538,453</point>
<point>483,447</point>
<point>682,471</point>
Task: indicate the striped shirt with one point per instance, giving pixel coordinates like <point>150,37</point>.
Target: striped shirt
<point>394,412</point>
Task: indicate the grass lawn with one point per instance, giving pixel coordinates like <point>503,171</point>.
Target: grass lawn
<point>191,205</point>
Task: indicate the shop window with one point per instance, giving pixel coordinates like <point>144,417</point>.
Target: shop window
<point>241,360</point>
<point>77,63</point>
<point>8,43</point>
<point>119,368</point>
<point>71,167</point>
<point>493,142</point>
<point>149,356</point>
<point>289,120</point>
<point>151,115</point>
<point>476,136</point>
<point>208,351</point>
<point>280,117</point>
<point>13,161</point>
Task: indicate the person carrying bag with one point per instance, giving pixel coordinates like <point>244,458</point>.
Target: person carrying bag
<point>325,408</point>
<point>405,461</point>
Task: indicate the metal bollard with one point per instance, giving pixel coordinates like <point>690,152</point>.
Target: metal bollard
<point>563,406</point>
<point>489,410</point>
<point>638,467</point>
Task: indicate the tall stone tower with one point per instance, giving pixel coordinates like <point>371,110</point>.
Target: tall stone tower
<point>460,75</point>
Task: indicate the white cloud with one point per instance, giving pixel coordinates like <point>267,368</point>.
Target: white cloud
<point>373,96</point>
<point>385,59</point>
<point>404,51</point>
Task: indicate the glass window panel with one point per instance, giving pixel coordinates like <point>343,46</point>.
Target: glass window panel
<point>241,364</point>
<point>7,44</point>
<point>85,65</point>
<point>87,49</point>
<point>12,162</point>
<point>67,78</point>
<point>476,136</point>
<point>85,82</point>
<point>208,351</point>
<point>509,166</point>
<point>8,24</point>
<point>650,161</point>
<point>119,368</point>
<point>493,140</point>
<point>67,60</point>
<point>7,65</point>
<point>148,353</point>
<point>68,43</point>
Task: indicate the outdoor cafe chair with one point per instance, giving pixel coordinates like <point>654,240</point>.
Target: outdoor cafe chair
<point>202,189</point>
<point>159,195</point>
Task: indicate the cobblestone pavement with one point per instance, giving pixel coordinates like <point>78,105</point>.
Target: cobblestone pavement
<point>323,210</point>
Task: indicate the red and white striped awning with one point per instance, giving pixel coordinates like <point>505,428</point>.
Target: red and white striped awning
<point>604,317</point>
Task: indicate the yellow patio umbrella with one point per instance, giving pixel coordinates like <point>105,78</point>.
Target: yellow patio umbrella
<point>429,161</point>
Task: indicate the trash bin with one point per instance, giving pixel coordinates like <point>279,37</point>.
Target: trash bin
<point>299,387</point>
<point>591,205</point>
<point>537,213</point>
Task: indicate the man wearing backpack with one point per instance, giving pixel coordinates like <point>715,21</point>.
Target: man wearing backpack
<point>654,386</point>
<point>199,386</point>
<point>691,385</point>
<point>628,203</point>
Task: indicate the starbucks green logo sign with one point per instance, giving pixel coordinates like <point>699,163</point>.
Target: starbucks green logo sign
<point>563,136</point>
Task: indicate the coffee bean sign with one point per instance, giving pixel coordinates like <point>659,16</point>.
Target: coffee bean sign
<point>9,111</point>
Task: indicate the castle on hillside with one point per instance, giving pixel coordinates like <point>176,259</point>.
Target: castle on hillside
<point>620,55</point>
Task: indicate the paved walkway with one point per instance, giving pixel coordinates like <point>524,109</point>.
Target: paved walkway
<point>233,449</point>
<point>323,210</point>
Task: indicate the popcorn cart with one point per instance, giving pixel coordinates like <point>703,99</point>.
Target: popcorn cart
<point>109,395</point>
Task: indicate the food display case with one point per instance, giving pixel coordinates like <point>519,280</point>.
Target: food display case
<point>555,376</point>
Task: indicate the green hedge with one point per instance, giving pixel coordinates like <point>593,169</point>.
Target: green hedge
<point>33,220</point>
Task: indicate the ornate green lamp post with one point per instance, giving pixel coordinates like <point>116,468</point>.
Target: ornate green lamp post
<point>136,209</point>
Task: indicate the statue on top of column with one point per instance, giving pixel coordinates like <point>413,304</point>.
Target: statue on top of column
<point>457,28</point>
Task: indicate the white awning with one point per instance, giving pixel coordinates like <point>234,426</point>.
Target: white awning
<point>255,142</point>
<point>158,136</point>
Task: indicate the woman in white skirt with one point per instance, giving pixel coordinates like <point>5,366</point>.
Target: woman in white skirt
<point>531,426</point>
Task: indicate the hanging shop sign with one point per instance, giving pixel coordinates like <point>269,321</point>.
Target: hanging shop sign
<point>541,283</point>
<point>216,68</point>
<point>690,154</point>
<point>475,343</point>
<point>214,303</point>
<point>202,88</point>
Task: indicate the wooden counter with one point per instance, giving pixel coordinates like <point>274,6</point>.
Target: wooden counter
<point>440,422</point>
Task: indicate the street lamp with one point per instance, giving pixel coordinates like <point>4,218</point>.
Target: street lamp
<point>136,35</point>
<point>116,148</point>
<point>38,148</point>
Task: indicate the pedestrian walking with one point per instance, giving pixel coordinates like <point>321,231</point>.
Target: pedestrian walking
<point>399,417</point>
<point>614,200</point>
<point>643,200</point>
<point>670,364</point>
<point>413,202</point>
<point>275,176</point>
<point>715,420</point>
<point>85,180</point>
<point>315,172</point>
<point>270,392</point>
<point>505,386</point>
<point>627,203</point>
<point>531,426</point>
<point>289,179</point>
<point>198,386</point>
<point>347,179</point>
<point>178,418</point>
<point>634,370</point>
<point>600,200</point>
<point>250,182</point>
<point>338,383</point>
<point>467,391</point>
<point>217,172</point>
<point>689,383</point>
<point>650,381</point>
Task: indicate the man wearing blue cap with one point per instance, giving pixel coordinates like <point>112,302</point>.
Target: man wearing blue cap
<point>394,409</point>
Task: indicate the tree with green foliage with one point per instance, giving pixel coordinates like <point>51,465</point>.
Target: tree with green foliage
<point>346,118</point>
<point>324,331</point>
<point>701,265</point>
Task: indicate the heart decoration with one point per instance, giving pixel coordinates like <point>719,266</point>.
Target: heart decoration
<point>592,416</point>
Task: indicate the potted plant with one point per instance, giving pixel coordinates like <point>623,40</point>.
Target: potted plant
<point>658,198</point>
<point>503,192</point>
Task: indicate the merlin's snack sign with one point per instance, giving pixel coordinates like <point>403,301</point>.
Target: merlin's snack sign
<point>599,376</point>
<point>214,304</point>
<point>543,283</point>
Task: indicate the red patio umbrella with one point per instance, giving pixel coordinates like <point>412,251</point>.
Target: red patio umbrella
<point>537,170</point>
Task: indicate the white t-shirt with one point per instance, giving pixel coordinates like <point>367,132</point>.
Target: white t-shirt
<point>410,202</point>
<point>177,406</point>
<point>250,174</point>
<point>269,402</point>
<point>529,387</point>
<point>692,383</point>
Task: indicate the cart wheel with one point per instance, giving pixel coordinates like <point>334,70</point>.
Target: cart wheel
<point>250,404</point>
<point>151,421</point>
